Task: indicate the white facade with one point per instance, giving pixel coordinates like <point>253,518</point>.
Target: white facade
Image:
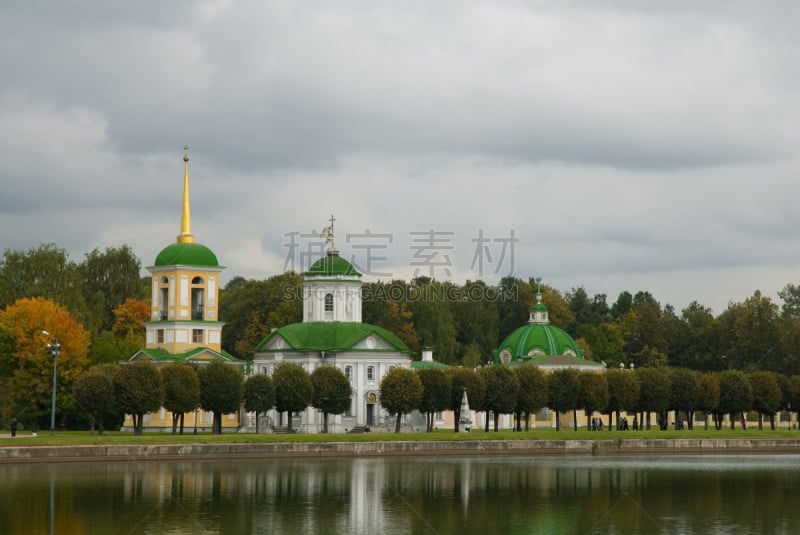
<point>332,304</point>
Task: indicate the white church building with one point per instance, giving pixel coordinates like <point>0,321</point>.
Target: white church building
<point>332,334</point>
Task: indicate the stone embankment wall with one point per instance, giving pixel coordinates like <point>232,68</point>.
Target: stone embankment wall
<point>141,452</point>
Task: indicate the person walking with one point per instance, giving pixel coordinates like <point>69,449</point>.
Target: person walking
<point>13,427</point>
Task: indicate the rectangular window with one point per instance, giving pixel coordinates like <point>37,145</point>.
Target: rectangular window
<point>348,372</point>
<point>159,336</point>
<point>197,336</point>
<point>370,373</point>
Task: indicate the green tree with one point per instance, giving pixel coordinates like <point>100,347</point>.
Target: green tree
<point>592,393</point>
<point>401,393</point>
<point>735,394</point>
<point>107,280</point>
<point>685,393</point>
<point>435,393</point>
<point>138,390</point>
<point>384,304</point>
<point>655,395</point>
<point>513,307</point>
<point>606,342</point>
<point>767,396</point>
<point>794,400</point>
<point>501,391</point>
<point>475,315</point>
<point>751,336</point>
<point>462,379</point>
<point>259,394</point>
<point>26,362</point>
<point>562,393</point>
<point>45,272</point>
<point>532,393</point>
<point>623,393</point>
<point>293,389</point>
<point>332,392</point>
<point>181,391</point>
<point>94,392</point>
<point>433,318</point>
<point>221,390</point>
<point>252,307</point>
<point>708,397</point>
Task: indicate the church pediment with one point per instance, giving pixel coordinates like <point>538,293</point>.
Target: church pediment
<point>373,341</point>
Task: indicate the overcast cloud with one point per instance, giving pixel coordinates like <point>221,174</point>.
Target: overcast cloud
<point>627,146</point>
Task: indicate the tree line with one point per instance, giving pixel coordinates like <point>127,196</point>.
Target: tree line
<point>96,307</point>
<point>524,390</point>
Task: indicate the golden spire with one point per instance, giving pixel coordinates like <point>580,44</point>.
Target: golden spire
<point>186,217</point>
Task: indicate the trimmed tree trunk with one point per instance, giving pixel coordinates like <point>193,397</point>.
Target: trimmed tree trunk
<point>397,425</point>
<point>324,422</point>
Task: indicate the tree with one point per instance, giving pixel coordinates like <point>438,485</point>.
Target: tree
<point>562,393</point>
<point>26,363</point>
<point>293,389</point>
<point>462,379</point>
<point>401,393</point>
<point>475,315</point>
<point>384,304</point>
<point>685,392</point>
<point>655,394</point>
<point>501,390</point>
<point>623,393</point>
<point>181,391</point>
<point>767,396</point>
<point>433,318</point>
<point>259,394</point>
<point>252,307</point>
<point>735,394</point>
<point>127,334</point>
<point>138,390</point>
<point>435,393</point>
<point>107,280</point>
<point>332,392</point>
<point>592,392</point>
<point>94,392</point>
<point>532,392</point>
<point>45,272</point>
<point>221,390</point>
<point>708,397</point>
<point>794,400</point>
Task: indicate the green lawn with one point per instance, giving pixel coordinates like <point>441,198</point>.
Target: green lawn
<point>72,438</point>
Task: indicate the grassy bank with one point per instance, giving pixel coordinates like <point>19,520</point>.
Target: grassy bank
<point>74,438</point>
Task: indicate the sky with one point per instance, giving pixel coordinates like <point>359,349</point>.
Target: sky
<point>613,145</point>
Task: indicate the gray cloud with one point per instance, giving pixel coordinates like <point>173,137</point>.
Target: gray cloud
<point>621,140</point>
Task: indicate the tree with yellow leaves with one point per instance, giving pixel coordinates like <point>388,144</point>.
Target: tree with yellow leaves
<point>26,363</point>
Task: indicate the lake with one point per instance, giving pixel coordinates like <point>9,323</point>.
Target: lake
<point>554,494</point>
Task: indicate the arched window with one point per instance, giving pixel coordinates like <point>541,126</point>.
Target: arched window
<point>198,298</point>
<point>328,302</point>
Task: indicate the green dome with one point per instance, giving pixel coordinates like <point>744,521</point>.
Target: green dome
<point>332,265</point>
<point>332,336</point>
<point>187,254</point>
<point>537,340</point>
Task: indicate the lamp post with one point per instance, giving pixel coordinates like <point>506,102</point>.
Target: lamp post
<point>55,349</point>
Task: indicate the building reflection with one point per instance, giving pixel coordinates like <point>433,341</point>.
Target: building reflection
<point>395,495</point>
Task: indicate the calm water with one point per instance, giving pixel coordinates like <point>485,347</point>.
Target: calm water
<point>669,495</point>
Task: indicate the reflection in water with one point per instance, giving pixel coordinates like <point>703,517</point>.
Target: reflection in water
<point>742,494</point>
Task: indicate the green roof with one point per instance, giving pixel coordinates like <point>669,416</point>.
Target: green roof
<point>162,355</point>
<point>538,340</point>
<point>332,264</point>
<point>333,336</point>
<point>186,254</point>
<point>418,365</point>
